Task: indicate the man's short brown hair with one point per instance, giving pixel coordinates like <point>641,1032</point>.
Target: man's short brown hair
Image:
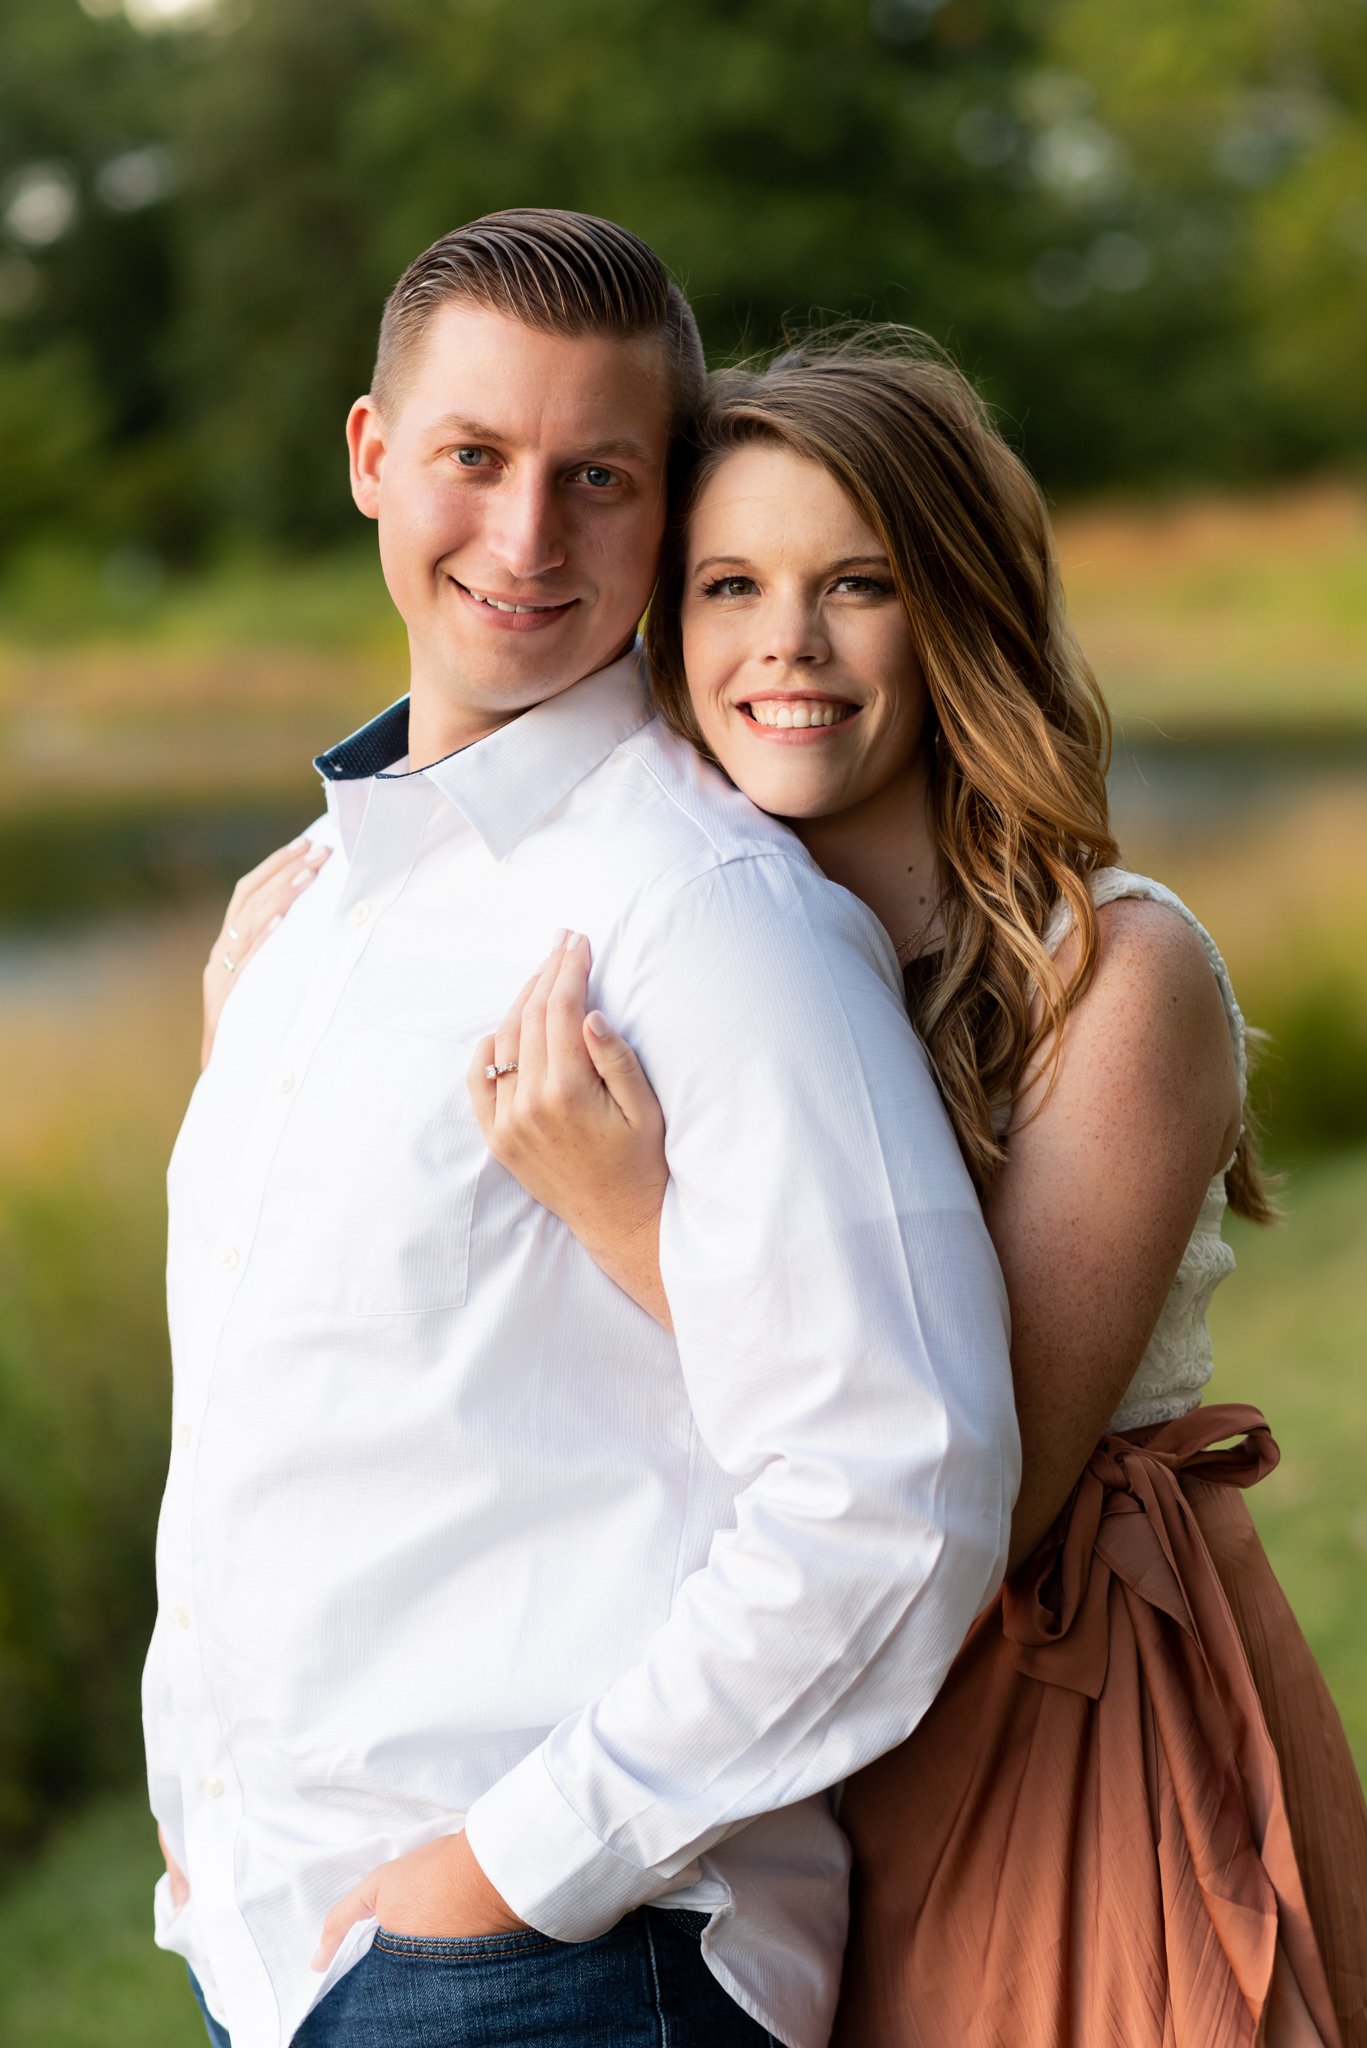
<point>563,273</point>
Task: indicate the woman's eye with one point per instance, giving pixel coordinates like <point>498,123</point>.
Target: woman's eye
<point>864,584</point>
<point>729,586</point>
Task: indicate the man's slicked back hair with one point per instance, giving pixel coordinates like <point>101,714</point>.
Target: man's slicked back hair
<point>562,273</point>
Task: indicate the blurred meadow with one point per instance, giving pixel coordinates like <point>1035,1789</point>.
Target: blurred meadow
<point>1145,234</point>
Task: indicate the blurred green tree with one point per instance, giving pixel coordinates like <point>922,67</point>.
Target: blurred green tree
<point>1144,233</point>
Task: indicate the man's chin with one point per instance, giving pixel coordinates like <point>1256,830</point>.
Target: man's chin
<point>516,671</point>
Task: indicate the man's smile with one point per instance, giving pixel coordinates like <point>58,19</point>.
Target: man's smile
<point>512,613</point>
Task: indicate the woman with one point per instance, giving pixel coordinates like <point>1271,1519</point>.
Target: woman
<point>1131,1816</point>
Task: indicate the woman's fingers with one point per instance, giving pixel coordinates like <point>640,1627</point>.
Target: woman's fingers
<point>522,1034</point>
<point>621,1073</point>
<point>566,1001</point>
<point>257,905</point>
<point>273,862</point>
<point>256,910</point>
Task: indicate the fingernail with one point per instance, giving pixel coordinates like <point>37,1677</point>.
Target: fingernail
<point>295,844</point>
<point>277,919</point>
<point>598,1024</point>
<point>574,942</point>
<point>559,938</point>
<point>320,854</point>
<point>319,1961</point>
<point>304,875</point>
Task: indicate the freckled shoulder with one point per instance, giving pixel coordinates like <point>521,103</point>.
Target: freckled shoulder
<point>1149,960</point>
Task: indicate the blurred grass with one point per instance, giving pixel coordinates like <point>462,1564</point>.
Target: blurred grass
<point>99,1056</point>
<point>1226,613</point>
<point>1290,1335</point>
<point>77,1965</point>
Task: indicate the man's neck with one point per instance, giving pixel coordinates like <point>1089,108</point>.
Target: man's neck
<point>442,722</point>
<point>436,728</point>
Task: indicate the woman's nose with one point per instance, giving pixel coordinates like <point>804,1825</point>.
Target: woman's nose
<point>794,635</point>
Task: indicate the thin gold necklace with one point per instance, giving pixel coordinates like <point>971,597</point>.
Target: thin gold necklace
<point>910,947</point>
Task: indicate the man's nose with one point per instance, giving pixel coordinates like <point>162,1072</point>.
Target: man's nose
<point>526,530</point>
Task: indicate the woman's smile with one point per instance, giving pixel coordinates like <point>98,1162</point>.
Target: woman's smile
<point>795,718</point>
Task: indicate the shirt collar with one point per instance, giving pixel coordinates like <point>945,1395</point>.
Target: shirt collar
<point>505,784</point>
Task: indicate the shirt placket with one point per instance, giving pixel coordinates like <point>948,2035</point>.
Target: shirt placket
<point>214,1797</point>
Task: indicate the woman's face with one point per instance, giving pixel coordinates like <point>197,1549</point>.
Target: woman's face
<point>801,669</point>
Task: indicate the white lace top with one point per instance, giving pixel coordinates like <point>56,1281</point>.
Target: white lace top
<point>1177,1363</point>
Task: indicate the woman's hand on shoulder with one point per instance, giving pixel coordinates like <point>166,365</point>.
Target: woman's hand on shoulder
<point>255,908</point>
<point>576,1122</point>
<point>1105,1173</point>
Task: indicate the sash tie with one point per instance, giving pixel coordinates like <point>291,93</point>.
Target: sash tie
<point>1129,1517</point>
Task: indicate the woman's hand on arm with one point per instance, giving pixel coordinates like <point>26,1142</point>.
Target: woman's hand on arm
<point>578,1125</point>
<point>1101,1189</point>
<point>255,908</point>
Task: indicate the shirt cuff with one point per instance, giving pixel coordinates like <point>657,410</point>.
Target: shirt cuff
<point>546,1864</point>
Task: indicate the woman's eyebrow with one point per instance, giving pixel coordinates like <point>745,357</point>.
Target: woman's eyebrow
<point>873,561</point>
<point>714,561</point>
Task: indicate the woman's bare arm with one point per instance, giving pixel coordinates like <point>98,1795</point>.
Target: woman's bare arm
<point>1102,1187</point>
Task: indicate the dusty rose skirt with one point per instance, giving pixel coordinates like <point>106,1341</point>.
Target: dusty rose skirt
<point>1131,1818</point>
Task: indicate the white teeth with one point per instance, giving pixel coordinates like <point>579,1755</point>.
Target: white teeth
<point>499,606</point>
<point>799,715</point>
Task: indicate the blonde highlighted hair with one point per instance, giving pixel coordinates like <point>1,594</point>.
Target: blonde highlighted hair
<point>1020,738</point>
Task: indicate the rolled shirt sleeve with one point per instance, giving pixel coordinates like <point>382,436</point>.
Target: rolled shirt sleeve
<point>842,1332</point>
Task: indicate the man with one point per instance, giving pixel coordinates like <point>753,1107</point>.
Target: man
<point>507,1646</point>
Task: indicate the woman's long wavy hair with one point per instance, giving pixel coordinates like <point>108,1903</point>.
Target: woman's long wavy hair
<point>1019,737</point>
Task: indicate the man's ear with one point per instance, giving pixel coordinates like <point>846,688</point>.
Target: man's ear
<point>366,445</point>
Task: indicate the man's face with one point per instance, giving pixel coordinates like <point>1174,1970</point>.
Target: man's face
<point>518,480</point>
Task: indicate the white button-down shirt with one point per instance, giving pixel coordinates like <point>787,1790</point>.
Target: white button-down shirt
<point>453,1532</point>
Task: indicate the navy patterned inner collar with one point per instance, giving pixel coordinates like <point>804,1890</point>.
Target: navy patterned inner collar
<point>370,751</point>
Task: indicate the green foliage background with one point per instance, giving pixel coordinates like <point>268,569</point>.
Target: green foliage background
<point>1144,229</point>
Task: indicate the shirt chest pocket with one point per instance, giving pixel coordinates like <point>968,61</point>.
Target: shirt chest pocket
<point>369,1204</point>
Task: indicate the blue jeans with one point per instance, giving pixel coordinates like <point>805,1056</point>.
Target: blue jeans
<point>643,1984</point>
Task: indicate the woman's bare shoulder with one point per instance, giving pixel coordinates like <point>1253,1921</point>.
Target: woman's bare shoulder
<point>1148,1038</point>
<point>1150,965</point>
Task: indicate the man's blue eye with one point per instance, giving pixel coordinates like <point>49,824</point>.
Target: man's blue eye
<point>469,458</point>
<point>597,476</point>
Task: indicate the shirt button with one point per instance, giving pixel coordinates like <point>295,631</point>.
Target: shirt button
<point>181,1616</point>
<point>285,1084</point>
<point>183,1435</point>
<point>212,1787</point>
<point>359,912</point>
<point>228,1259</point>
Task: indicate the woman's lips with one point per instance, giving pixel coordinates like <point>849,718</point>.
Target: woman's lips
<point>797,721</point>
<point>494,612</point>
